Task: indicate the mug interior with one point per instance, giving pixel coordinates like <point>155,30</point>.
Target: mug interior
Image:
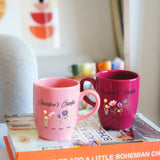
<point>56,82</point>
<point>118,74</point>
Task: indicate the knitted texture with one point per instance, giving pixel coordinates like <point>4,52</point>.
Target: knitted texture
<point>18,71</point>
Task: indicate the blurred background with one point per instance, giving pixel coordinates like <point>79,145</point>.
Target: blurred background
<point>92,31</point>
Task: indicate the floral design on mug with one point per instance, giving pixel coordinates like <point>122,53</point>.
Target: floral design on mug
<point>54,117</point>
<point>112,103</point>
<point>46,118</point>
<point>62,116</point>
<point>114,106</point>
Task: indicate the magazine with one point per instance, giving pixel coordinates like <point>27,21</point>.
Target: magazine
<point>23,136</point>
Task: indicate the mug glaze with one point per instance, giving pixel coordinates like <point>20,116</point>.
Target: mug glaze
<point>119,94</point>
<point>56,104</point>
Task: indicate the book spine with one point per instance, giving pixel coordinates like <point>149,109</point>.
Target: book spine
<point>11,157</point>
<point>139,150</point>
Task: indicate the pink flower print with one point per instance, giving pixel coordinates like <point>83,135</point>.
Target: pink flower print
<point>112,103</point>
<point>51,114</point>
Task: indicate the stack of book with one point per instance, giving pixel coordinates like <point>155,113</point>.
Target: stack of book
<point>88,142</point>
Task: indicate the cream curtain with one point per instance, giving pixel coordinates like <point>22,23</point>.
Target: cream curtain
<point>117,22</point>
<point>120,22</point>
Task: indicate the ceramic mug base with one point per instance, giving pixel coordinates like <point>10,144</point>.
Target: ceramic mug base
<point>117,123</point>
<point>53,137</point>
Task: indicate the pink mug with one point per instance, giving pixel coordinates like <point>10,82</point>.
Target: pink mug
<point>56,104</point>
<point>119,93</point>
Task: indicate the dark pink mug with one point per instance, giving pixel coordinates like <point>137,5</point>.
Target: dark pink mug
<point>119,94</point>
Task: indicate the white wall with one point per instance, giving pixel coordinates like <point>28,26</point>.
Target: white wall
<point>145,54</point>
<point>86,31</point>
<point>85,27</point>
<point>10,23</point>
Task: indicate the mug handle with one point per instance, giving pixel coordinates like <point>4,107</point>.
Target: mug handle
<point>96,107</point>
<point>93,81</point>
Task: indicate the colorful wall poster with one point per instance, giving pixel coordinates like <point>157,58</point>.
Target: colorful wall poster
<point>40,22</point>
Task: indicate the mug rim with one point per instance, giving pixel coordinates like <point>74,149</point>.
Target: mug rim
<point>120,80</point>
<point>37,83</point>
